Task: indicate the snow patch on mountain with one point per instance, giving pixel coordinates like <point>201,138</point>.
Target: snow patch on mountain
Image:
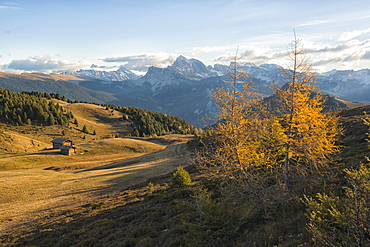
<point>191,68</point>
<point>361,76</point>
<point>347,84</point>
<point>161,77</point>
<point>121,74</point>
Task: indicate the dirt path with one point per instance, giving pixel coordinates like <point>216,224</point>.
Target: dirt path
<point>32,194</point>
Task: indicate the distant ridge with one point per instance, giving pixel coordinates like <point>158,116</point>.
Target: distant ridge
<point>121,74</point>
<point>182,89</point>
<point>54,83</point>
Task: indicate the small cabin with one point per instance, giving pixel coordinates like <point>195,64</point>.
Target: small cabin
<point>68,150</point>
<point>59,142</point>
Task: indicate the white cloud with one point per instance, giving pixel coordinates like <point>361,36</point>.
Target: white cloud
<point>42,63</point>
<point>144,61</point>
<point>312,48</point>
<point>8,7</point>
<point>352,34</point>
<point>312,23</point>
<point>257,54</point>
<point>324,56</point>
<point>366,56</point>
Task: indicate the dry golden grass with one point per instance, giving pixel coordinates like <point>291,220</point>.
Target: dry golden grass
<point>29,139</point>
<point>48,182</point>
<point>37,181</point>
<point>106,123</point>
<point>351,104</point>
<point>41,76</point>
<point>93,151</point>
<point>13,142</point>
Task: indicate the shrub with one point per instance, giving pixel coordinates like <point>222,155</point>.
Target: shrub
<point>150,187</point>
<point>180,178</point>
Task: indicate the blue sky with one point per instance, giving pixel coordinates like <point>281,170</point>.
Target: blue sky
<point>52,35</point>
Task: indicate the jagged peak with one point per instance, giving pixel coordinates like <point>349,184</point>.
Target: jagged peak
<point>181,61</point>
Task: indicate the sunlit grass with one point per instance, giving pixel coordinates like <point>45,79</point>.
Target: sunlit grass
<point>34,185</point>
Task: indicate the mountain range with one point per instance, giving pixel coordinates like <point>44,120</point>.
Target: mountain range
<point>121,74</point>
<point>182,89</point>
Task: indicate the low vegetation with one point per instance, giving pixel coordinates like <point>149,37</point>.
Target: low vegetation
<point>180,178</point>
<point>199,214</point>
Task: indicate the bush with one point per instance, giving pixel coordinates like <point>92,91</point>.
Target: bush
<point>150,187</point>
<point>180,178</point>
<point>342,221</point>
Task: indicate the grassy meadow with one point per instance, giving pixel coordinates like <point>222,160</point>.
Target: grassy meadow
<point>38,181</point>
<point>117,191</point>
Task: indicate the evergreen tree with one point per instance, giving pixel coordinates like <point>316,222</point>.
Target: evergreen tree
<point>30,105</point>
<point>342,221</point>
<point>180,178</point>
<point>84,130</point>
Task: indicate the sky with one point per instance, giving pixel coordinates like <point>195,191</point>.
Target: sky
<point>55,35</point>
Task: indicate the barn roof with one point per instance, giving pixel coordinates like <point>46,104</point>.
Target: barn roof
<point>60,140</point>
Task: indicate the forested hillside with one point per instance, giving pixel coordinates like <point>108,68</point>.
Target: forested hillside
<point>27,108</point>
<point>31,108</point>
<point>149,123</point>
<point>153,123</point>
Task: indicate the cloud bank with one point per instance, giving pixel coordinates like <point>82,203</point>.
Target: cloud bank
<point>341,55</point>
<point>143,62</point>
<point>350,53</point>
<point>42,64</point>
<point>352,34</point>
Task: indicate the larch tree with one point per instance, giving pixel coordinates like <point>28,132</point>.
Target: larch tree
<point>310,134</point>
<point>240,152</point>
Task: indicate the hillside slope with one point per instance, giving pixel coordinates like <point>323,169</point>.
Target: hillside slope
<point>38,181</point>
<point>54,83</point>
<point>41,118</point>
<point>96,118</point>
<point>188,217</point>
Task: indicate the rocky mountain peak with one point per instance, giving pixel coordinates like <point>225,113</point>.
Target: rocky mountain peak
<point>121,74</point>
<point>181,61</point>
<point>191,68</point>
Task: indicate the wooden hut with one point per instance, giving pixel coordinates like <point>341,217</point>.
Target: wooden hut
<point>68,150</point>
<point>58,142</point>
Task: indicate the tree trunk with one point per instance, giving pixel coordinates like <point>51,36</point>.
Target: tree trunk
<point>286,172</point>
